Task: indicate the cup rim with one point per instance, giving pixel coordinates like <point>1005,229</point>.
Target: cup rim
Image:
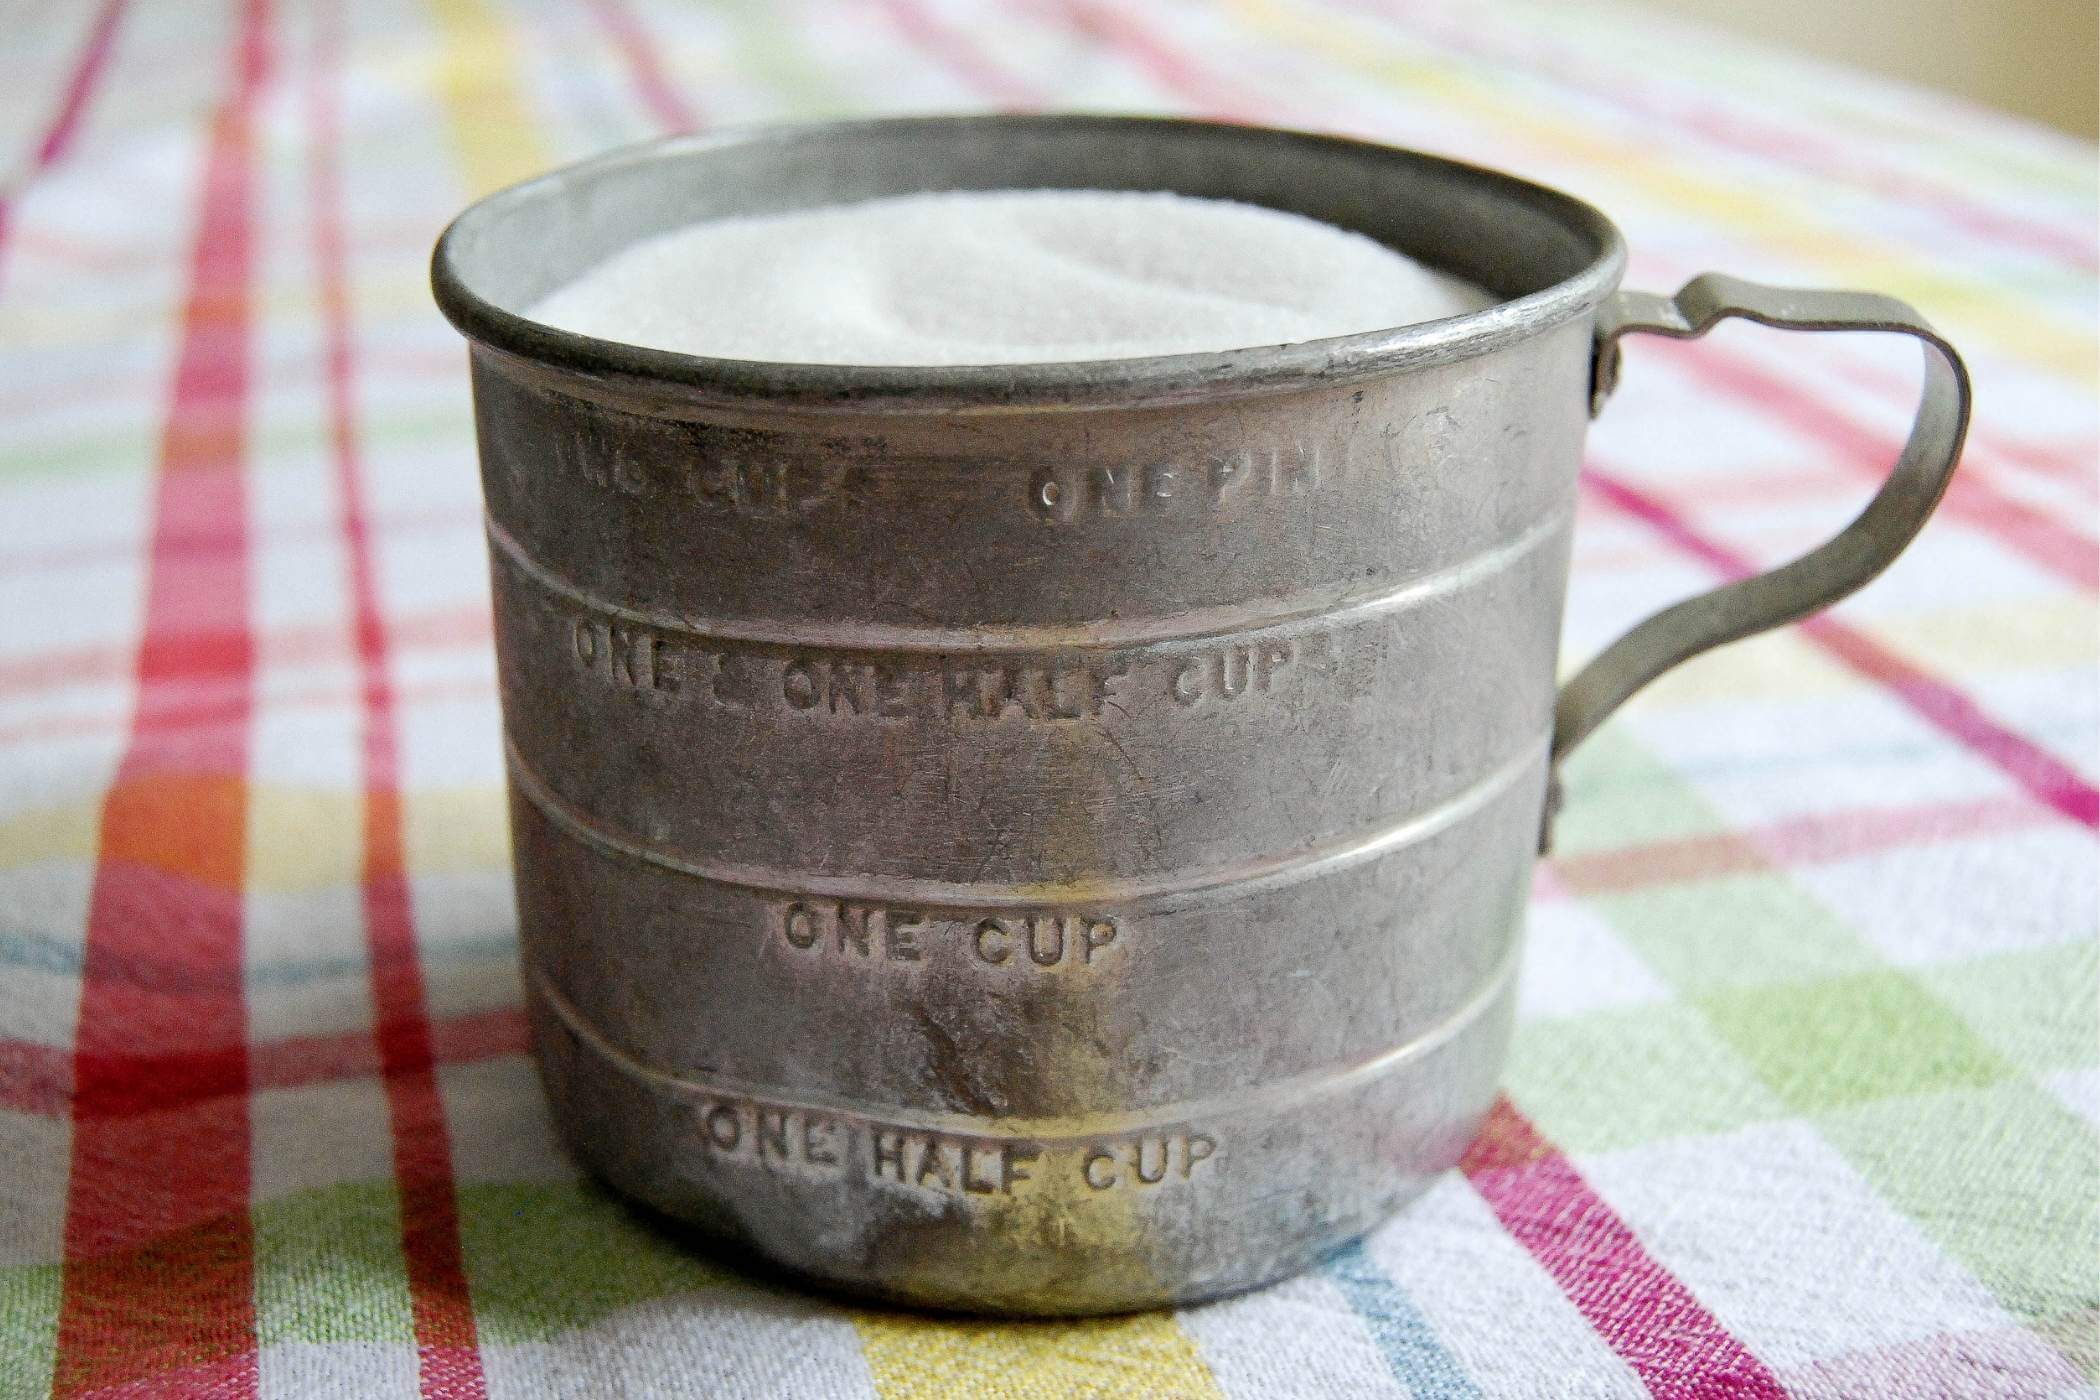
<point>616,366</point>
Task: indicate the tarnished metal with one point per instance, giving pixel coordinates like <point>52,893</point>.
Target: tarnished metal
<point>1819,578</point>
<point>1045,838</point>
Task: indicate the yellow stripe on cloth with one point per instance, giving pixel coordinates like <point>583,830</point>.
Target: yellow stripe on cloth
<point>498,143</point>
<point>1958,303</point>
<point>300,839</point>
<point>1145,1354</point>
<point>2018,636</point>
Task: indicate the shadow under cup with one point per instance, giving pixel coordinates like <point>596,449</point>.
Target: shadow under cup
<point>1031,839</point>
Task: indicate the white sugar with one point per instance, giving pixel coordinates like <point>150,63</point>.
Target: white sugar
<point>1002,277</point>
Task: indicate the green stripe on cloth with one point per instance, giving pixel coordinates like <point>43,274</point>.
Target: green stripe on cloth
<point>328,1267</point>
<point>2005,1179</point>
<point>1629,1076</point>
<point>1996,1170</point>
<point>766,50</point>
<point>547,1258</point>
<point>29,1297</point>
<point>1850,1040</point>
<point>1615,794</point>
<point>2016,1002</point>
<point>1729,930</point>
<point>1715,931</point>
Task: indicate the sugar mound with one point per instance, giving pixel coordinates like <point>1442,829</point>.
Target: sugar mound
<point>1001,277</point>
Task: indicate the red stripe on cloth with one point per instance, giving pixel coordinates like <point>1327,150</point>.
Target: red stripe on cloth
<point>1941,705</point>
<point>320,1059</point>
<point>72,106</point>
<point>667,105</point>
<point>440,1300</point>
<point>2031,532</point>
<point>123,1086</point>
<point>159,1267</point>
<point>479,1035</point>
<point>38,1079</point>
<point>130,1086</point>
<point>1640,1309</point>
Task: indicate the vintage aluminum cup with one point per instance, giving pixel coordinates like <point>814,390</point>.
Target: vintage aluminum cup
<point>1055,838</point>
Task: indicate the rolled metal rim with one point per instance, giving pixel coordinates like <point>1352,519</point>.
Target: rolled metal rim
<point>1076,384</point>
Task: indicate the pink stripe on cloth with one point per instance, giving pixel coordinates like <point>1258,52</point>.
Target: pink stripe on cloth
<point>1807,840</point>
<point>1640,1309</point>
<point>668,107</point>
<point>210,715</point>
<point>2066,465</point>
<point>2047,778</point>
<point>440,1301</point>
<point>957,53</point>
<point>2013,1364</point>
<point>65,124</point>
<point>1681,107</point>
<point>2051,543</point>
<point>1118,29</point>
<point>38,1079</point>
<point>1947,709</point>
<point>290,646</point>
<point>35,1078</point>
<point>94,56</point>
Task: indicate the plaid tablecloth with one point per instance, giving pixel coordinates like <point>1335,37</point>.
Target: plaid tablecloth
<point>1806,1090</point>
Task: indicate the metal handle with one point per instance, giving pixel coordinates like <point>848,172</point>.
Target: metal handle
<point>1823,575</point>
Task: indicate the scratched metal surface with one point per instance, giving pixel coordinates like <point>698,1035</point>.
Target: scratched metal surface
<point>1221,686</point>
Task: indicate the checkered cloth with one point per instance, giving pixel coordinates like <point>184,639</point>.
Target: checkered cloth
<point>1805,1093</point>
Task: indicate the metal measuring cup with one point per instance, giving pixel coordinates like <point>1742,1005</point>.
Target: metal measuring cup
<point>1055,838</point>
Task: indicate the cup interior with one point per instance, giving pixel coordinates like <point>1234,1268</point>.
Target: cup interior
<point>1547,255</point>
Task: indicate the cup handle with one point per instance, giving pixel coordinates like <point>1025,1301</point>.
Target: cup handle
<point>1825,574</point>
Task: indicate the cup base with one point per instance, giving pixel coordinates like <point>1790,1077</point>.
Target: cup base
<point>931,1212</point>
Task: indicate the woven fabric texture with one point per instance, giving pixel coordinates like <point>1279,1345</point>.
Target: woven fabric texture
<point>1805,1092</point>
